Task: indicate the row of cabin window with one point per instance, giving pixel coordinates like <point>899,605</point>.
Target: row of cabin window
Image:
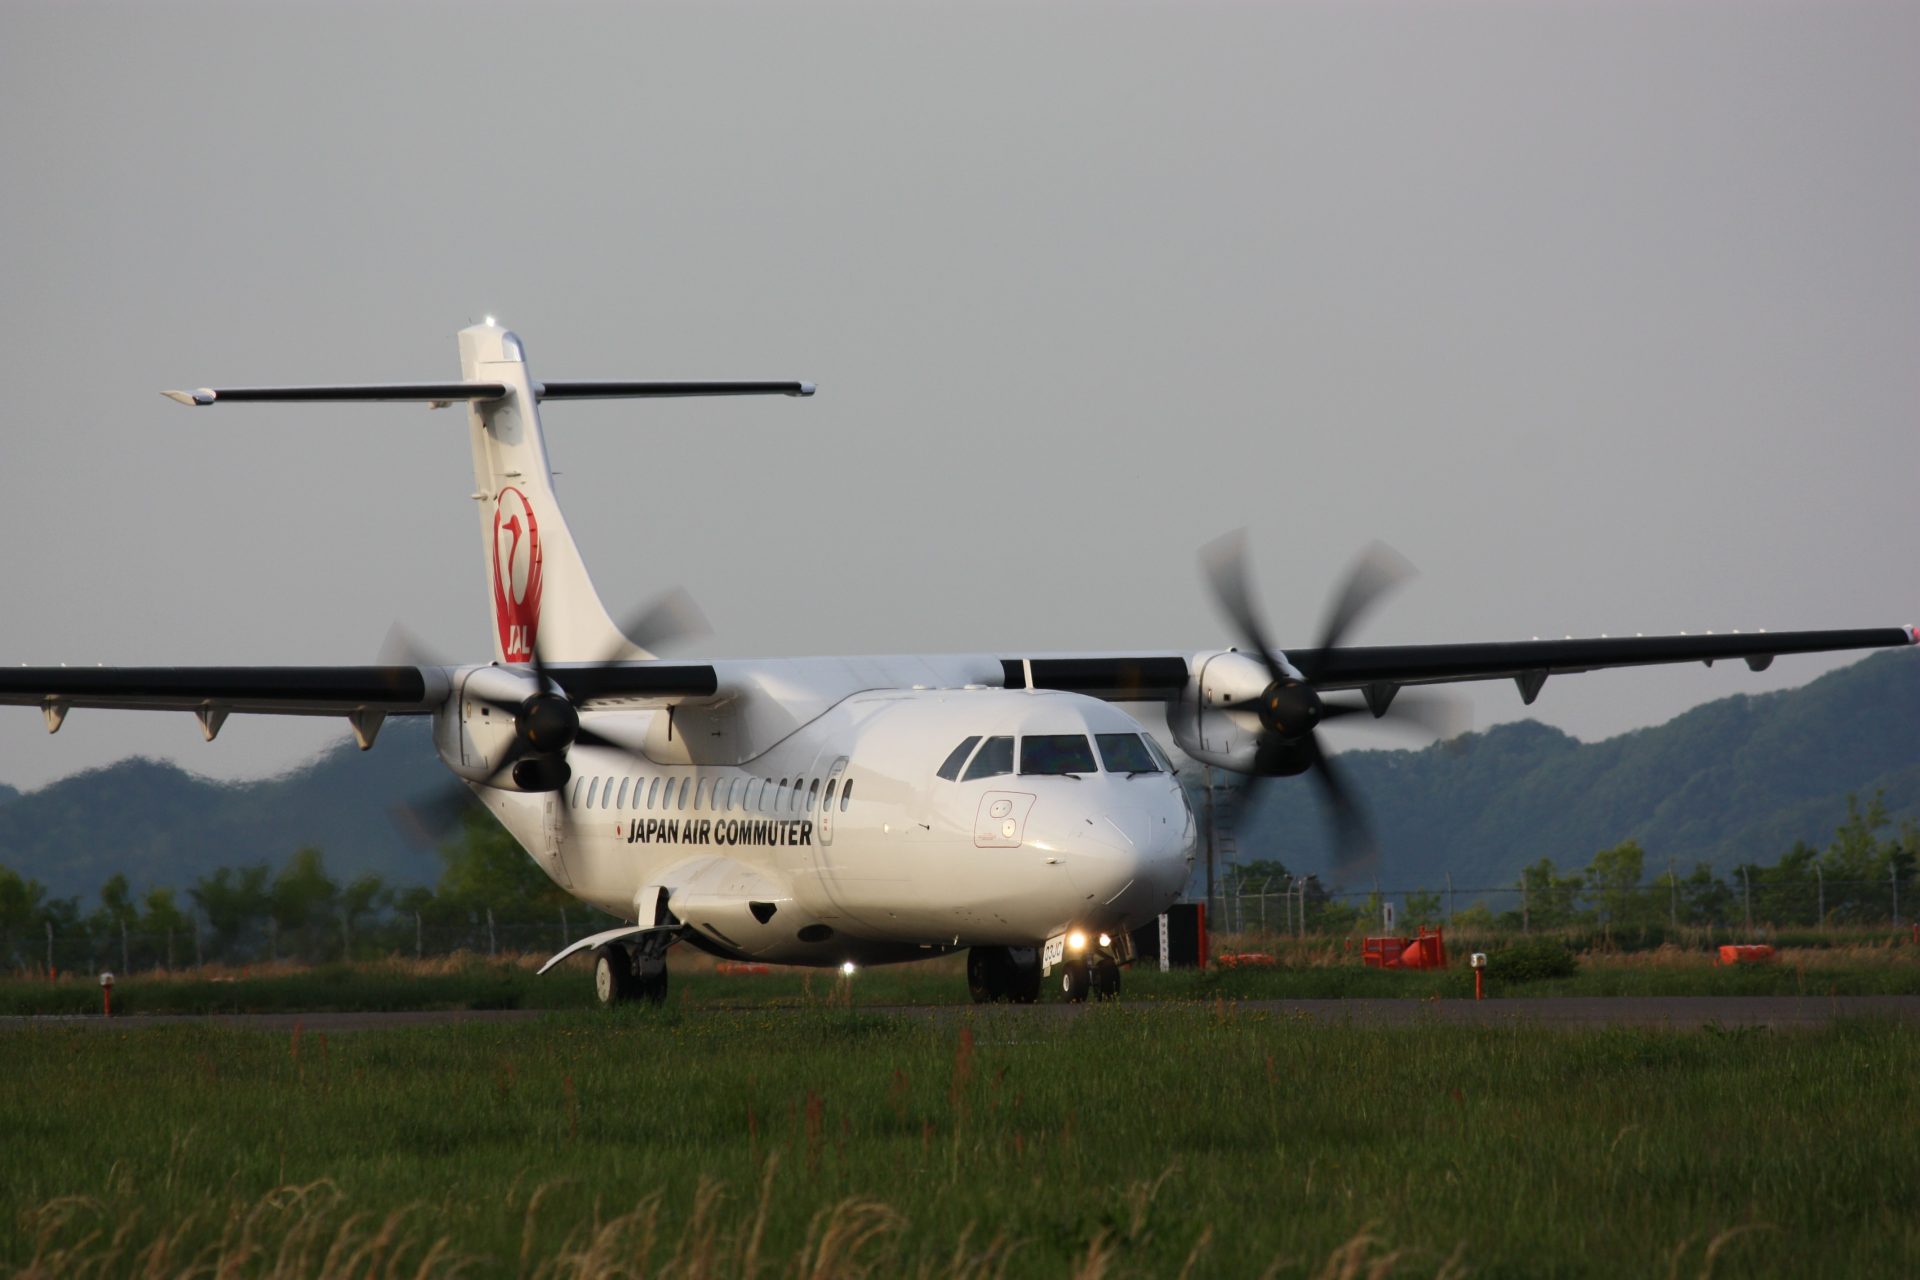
<point>723,795</point>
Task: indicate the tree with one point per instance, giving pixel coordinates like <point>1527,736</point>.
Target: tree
<point>486,868</point>
<point>364,897</point>
<point>1549,897</point>
<point>162,920</point>
<point>1613,878</point>
<point>1423,907</point>
<point>20,911</point>
<point>303,903</point>
<point>235,904</point>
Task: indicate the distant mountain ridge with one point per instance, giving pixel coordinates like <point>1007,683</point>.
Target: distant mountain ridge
<point>1734,780</point>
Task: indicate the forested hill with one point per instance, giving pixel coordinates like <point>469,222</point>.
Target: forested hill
<point>1735,780</point>
<point>163,826</point>
<point>1731,781</point>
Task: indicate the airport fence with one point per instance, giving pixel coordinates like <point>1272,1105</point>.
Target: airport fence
<point>1301,907</point>
<point>194,945</point>
<point>1648,914</point>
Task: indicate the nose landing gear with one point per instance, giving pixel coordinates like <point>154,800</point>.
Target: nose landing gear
<point>1096,977</point>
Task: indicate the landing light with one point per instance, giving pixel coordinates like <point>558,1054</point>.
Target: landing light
<point>1105,941</point>
<point>846,969</point>
<point>1077,940</point>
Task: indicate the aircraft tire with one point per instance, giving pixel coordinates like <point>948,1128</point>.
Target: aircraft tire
<point>1023,986</point>
<point>613,979</point>
<point>989,974</point>
<point>1075,978</point>
<point>650,984</point>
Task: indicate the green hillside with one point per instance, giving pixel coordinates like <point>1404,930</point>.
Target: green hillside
<point>159,824</point>
<point>1730,781</point>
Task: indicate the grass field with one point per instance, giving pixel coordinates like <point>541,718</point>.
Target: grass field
<point>828,1142</point>
<point>1887,965</point>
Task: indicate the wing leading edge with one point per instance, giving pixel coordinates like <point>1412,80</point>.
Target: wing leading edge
<point>1123,677</point>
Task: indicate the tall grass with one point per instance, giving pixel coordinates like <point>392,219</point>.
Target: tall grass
<point>1205,1140</point>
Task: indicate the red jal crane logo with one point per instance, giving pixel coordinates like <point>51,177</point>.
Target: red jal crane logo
<point>516,574</point>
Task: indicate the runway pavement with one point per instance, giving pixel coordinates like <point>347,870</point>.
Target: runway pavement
<point>1672,1012</point>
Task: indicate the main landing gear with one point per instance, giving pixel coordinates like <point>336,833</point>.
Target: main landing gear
<point>628,972</point>
<point>1003,974</point>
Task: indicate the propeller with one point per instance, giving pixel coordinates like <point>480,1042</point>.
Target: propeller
<point>546,724</point>
<point>1291,710</point>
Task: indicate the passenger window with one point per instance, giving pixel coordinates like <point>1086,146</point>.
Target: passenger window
<point>593,789</point>
<point>793,799</point>
<point>653,792</point>
<point>846,794</point>
<point>606,795</point>
<point>686,785</point>
<point>826,801</point>
<point>1055,754</point>
<point>666,795</point>
<point>780,797</point>
<point>951,769</point>
<point>1125,753</point>
<point>994,759</point>
<point>700,786</point>
<point>578,784</point>
<point>621,803</point>
<point>813,795</point>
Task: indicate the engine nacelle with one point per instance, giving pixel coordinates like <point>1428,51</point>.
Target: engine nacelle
<point>1205,727</point>
<point>472,736</point>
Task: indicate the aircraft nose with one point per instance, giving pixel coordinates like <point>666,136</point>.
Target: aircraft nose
<point>1129,862</point>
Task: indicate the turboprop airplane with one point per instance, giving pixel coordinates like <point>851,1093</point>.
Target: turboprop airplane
<point>844,811</point>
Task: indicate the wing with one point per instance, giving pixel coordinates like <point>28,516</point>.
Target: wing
<point>1136,677</point>
<point>365,695</point>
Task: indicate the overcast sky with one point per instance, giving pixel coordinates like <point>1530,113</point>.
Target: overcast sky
<point>1605,315</point>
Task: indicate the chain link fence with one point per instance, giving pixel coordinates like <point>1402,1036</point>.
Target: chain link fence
<point>126,949</point>
<point>1299,906</point>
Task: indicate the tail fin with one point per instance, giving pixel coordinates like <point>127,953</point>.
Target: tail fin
<point>541,594</point>
<point>536,579</point>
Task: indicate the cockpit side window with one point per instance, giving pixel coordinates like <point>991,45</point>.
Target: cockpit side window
<point>1056,753</point>
<point>1158,754</point>
<point>1125,753</point>
<point>951,769</point>
<point>994,759</point>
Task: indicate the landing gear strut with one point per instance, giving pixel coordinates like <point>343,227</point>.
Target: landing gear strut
<point>1009,974</point>
<point>624,972</point>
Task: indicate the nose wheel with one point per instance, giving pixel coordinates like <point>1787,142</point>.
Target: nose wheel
<point>1097,978</point>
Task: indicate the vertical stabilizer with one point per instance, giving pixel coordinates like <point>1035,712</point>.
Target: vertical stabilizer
<point>537,585</point>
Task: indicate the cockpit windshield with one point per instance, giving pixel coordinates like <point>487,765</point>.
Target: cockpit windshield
<point>994,759</point>
<point>1125,753</point>
<point>1056,753</point>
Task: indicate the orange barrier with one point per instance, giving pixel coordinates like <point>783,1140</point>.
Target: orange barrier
<point>1427,951</point>
<point>1757,953</point>
<point>1245,960</point>
<point>734,967</point>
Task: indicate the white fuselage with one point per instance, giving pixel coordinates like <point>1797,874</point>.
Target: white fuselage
<point>841,842</point>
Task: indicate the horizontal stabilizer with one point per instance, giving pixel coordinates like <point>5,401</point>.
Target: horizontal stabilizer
<point>431,392</point>
<point>662,390</point>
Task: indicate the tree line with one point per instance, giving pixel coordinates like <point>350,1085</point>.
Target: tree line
<point>489,893</point>
<point>1863,875</point>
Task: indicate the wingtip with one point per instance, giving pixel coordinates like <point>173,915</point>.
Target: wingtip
<point>807,388</point>
<point>205,395</point>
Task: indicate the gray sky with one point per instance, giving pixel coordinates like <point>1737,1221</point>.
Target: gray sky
<point>1604,315</point>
